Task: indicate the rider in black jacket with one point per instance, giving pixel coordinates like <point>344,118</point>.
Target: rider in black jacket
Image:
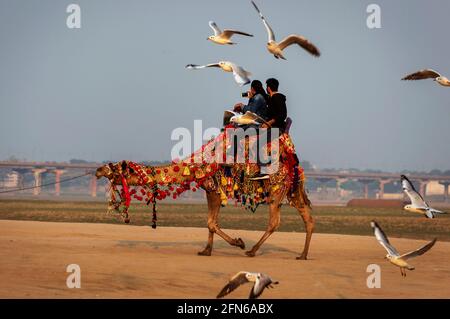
<point>277,111</point>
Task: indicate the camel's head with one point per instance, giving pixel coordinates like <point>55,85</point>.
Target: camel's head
<point>105,171</point>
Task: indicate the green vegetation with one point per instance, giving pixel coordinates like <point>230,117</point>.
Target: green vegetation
<point>339,220</point>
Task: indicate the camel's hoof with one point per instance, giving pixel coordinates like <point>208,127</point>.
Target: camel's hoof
<point>240,243</point>
<point>204,253</point>
<point>301,257</point>
<point>250,253</point>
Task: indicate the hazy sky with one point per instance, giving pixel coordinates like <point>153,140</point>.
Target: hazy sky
<point>117,87</point>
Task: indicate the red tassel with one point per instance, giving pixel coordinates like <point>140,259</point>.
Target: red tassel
<point>126,192</point>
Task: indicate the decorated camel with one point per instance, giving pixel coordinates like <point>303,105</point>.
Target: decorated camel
<point>221,181</point>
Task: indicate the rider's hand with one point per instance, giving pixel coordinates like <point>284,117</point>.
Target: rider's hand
<point>238,107</point>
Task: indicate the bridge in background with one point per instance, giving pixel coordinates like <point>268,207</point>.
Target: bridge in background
<point>340,177</point>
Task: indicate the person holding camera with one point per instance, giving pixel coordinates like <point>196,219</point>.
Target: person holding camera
<point>257,102</point>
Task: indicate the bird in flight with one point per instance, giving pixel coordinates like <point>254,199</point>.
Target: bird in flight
<point>261,281</point>
<point>428,74</point>
<point>223,37</point>
<point>242,119</point>
<point>276,48</point>
<point>393,256</point>
<point>418,204</point>
<point>241,76</point>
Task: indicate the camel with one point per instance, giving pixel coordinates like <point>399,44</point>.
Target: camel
<point>158,182</point>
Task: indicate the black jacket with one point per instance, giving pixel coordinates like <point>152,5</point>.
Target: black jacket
<point>277,110</point>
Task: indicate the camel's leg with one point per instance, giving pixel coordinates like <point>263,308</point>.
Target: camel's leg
<point>299,203</point>
<point>211,207</point>
<point>213,226</point>
<point>274,222</point>
<point>113,204</point>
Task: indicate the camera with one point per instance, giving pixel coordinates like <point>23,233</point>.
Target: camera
<point>244,94</point>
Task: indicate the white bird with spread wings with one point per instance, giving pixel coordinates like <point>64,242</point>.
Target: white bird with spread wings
<point>241,76</point>
<point>261,281</point>
<point>393,256</point>
<point>428,74</point>
<point>418,204</point>
<point>242,119</point>
<point>276,48</point>
<point>224,37</point>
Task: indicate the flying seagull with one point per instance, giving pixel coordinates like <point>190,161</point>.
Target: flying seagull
<point>393,256</point>
<point>428,74</point>
<point>242,119</point>
<point>276,48</point>
<point>241,76</point>
<point>223,37</point>
<point>418,204</point>
<point>261,281</point>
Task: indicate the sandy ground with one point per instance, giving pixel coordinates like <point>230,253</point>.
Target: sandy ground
<point>120,261</point>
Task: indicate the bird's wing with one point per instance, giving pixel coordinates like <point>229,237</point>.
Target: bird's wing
<point>240,79</point>
<point>216,29</point>
<point>429,214</point>
<point>383,239</point>
<point>247,118</point>
<point>230,113</point>
<point>242,121</point>
<point>422,250</point>
<point>227,116</point>
<point>241,76</point>
<point>256,117</point>
<point>435,211</point>
<point>228,33</point>
<point>270,33</point>
<point>196,67</point>
<point>301,41</point>
<point>250,115</point>
<point>237,280</point>
<point>260,284</point>
<point>422,74</point>
<point>416,199</point>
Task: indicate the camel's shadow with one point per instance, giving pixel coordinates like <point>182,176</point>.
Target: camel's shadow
<point>221,248</point>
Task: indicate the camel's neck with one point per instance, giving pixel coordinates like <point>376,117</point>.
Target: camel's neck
<point>177,173</point>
